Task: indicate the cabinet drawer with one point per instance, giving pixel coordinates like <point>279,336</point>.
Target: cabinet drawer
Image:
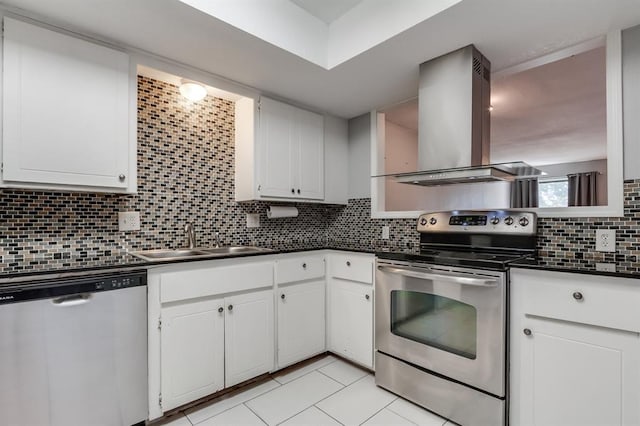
<point>589,299</point>
<point>352,267</point>
<point>205,281</point>
<point>299,269</point>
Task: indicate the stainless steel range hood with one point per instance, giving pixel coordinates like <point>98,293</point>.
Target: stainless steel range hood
<point>454,124</point>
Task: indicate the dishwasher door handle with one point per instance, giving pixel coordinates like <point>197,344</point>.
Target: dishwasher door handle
<point>416,273</point>
<point>72,300</point>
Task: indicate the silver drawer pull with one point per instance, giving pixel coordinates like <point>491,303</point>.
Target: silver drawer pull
<point>304,266</point>
<point>416,273</point>
<point>527,332</point>
<point>578,296</point>
<point>348,263</point>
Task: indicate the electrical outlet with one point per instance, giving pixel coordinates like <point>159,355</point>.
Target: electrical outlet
<point>128,221</point>
<point>606,267</point>
<point>606,240</point>
<point>253,220</point>
<point>385,232</point>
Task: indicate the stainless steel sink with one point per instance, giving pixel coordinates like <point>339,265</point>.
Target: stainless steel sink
<point>197,253</point>
<point>219,251</point>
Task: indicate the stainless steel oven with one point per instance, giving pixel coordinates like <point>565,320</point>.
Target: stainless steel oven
<point>441,314</point>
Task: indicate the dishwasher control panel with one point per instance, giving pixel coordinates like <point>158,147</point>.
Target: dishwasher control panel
<point>115,283</point>
<point>78,286</point>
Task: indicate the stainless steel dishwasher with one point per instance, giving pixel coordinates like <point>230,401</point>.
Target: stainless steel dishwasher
<point>74,351</point>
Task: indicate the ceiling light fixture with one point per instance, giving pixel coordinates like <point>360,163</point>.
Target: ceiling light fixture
<point>193,91</point>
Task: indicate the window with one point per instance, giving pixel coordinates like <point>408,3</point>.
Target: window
<point>553,193</point>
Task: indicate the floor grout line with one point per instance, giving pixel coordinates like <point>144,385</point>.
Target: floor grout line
<point>339,422</point>
<point>233,406</point>
<point>374,414</point>
<point>256,414</point>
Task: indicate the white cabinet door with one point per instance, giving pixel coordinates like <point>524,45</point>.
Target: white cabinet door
<point>275,148</point>
<point>576,375</point>
<point>192,351</point>
<point>351,320</point>
<point>249,336</point>
<point>310,160</point>
<point>301,322</point>
<point>290,150</point>
<point>65,111</point>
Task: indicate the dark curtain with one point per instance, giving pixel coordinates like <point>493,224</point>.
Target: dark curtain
<point>524,193</point>
<point>582,189</point>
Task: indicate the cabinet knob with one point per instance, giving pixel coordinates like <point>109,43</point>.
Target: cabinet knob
<point>578,296</point>
<point>121,177</point>
<point>304,266</point>
<point>221,309</point>
<point>293,191</point>
<point>230,307</point>
<point>348,263</point>
<point>527,332</point>
<point>298,190</point>
<point>366,296</point>
<point>282,296</point>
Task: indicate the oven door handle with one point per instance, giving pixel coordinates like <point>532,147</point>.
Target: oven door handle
<point>415,273</point>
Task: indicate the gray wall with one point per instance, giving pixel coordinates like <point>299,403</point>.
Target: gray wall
<point>360,157</point>
<point>631,101</point>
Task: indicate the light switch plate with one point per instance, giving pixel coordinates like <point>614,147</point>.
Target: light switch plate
<point>128,221</point>
<point>606,240</point>
<point>253,220</point>
<point>385,232</point>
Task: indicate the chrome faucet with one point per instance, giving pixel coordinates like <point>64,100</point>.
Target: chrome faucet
<point>191,235</point>
<point>217,239</point>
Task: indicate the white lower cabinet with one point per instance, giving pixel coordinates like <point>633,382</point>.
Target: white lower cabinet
<point>301,321</point>
<point>192,348</point>
<point>300,307</point>
<point>212,324</point>
<point>575,349</point>
<point>351,321</point>
<point>215,343</point>
<point>249,336</point>
<point>350,312</point>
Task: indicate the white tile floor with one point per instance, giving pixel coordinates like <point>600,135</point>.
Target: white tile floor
<point>327,392</point>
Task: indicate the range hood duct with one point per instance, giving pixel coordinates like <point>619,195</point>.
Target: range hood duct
<point>454,123</point>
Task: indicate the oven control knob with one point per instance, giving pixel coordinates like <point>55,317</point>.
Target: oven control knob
<point>423,221</point>
<point>495,220</point>
<point>433,221</point>
<point>523,221</point>
<point>508,220</point>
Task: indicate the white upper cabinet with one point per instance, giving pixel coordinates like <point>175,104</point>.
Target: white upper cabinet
<point>67,113</point>
<point>289,154</point>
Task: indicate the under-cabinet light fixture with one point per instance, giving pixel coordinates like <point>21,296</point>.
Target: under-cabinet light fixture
<point>193,91</point>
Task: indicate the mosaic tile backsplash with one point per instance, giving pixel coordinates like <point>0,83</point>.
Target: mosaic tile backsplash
<point>564,242</point>
<point>186,174</point>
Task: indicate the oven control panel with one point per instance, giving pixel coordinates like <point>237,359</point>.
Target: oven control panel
<point>475,221</point>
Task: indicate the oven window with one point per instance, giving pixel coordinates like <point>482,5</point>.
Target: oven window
<point>436,321</point>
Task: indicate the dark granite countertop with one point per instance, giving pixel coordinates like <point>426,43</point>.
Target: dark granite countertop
<point>624,269</point>
<point>18,268</point>
<point>22,268</point>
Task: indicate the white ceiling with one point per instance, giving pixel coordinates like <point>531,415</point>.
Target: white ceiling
<point>326,10</point>
<point>508,32</point>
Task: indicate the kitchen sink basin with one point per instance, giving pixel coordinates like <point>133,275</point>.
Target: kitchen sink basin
<point>196,253</point>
